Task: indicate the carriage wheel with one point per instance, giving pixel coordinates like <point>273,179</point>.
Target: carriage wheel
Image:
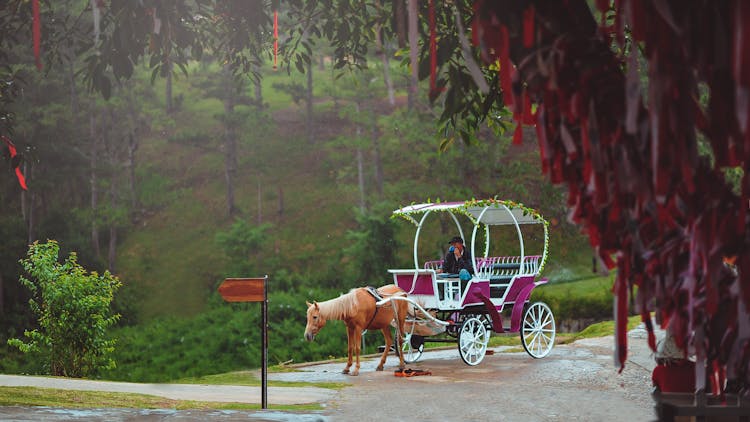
<point>472,341</point>
<point>538,330</point>
<point>412,347</point>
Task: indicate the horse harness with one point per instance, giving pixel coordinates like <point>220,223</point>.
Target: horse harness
<point>378,297</point>
<point>374,292</point>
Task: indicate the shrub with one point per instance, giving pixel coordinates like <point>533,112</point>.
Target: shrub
<point>72,308</point>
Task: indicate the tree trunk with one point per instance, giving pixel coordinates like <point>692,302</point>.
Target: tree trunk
<point>360,167</point>
<point>168,87</point>
<point>361,174</point>
<point>258,91</point>
<point>2,296</point>
<point>72,83</point>
<point>130,164</point>
<point>29,172</point>
<point>230,140</point>
<point>24,198</point>
<point>93,157</point>
<point>112,250</point>
<point>309,104</point>
<point>260,203</point>
<point>377,161</point>
<point>413,52</point>
<point>399,13</point>
<point>384,58</point>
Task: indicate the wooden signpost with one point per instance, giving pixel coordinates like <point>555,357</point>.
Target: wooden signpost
<point>252,290</point>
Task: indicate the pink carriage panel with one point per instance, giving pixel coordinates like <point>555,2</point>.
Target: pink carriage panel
<point>421,285</point>
<point>482,286</point>
<point>522,296</point>
<point>518,285</point>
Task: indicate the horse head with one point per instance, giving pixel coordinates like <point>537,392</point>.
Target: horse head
<point>315,321</point>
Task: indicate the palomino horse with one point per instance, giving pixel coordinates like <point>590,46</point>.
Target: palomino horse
<point>358,311</point>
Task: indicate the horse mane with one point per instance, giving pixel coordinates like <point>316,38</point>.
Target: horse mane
<point>341,307</point>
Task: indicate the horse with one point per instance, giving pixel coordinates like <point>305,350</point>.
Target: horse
<point>358,311</point>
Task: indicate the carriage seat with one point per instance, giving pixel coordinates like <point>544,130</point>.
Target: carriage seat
<point>496,268</point>
<point>504,268</point>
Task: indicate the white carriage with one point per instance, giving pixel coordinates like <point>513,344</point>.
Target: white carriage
<point>448,309</point>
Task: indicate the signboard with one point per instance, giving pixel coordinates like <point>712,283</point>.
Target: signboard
<point>243,289</point>
<point>252,290</point>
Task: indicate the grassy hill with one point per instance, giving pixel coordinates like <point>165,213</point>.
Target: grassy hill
<point>307,191</point>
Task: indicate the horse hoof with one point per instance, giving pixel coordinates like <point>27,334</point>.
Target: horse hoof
<point>354,374</point>
<point>379,368</point>
<point>345,371</point>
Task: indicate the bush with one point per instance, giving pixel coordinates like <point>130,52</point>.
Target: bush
<point>73,312</point>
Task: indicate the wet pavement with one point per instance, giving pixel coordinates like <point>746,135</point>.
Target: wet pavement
<point>576,381</point>
<point>18,413</point>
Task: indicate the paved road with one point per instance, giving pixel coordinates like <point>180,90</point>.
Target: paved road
<point>575,382</point>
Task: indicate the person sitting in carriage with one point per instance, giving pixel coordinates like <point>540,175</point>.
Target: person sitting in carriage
<point>457,258</point>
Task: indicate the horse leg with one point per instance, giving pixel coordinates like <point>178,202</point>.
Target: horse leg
<point>357,346</point>
<point>400,320</point>
<point>349,339</point>
<point>388,342</point>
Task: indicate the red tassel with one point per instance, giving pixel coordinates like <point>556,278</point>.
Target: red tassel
<point>646,318</point>
<point>13,153</point>
<point>275,38</point>
<point>21,179</point>
<point>433,48</point>
<point>621,318</point>
<point>528,27</point>
<point>505,66</point>
<point>37,33</point>
<point>518,134</point>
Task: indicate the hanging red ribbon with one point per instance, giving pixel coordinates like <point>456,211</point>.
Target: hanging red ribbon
<point>433,49</point>
<point>37,33</point>
<point>505,67</point>
<point>13,153</point>
<point>275,38</point>
<point>528,27</point>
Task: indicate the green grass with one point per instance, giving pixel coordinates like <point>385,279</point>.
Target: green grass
<point>602,329</point>
<point>586,286</point>
<point>248,378</point>
<point>52,397</point>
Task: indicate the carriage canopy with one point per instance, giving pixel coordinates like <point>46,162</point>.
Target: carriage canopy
<point>481,213</point>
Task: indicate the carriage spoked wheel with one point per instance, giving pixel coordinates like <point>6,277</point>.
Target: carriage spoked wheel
<point>412,347</point>
<point>538,330</point>
<point>472,341</point>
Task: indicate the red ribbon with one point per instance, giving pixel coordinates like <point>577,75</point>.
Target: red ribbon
<point>505,67</point>
<point>275,37</point>
<point>13,153</point>
<point>528,27</point>
<point>37,33</point>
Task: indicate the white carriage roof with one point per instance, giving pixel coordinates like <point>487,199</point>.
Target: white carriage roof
<point>498,211</point>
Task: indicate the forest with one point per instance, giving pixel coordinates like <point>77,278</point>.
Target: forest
<point>154,148</point>
<point>173,170</point>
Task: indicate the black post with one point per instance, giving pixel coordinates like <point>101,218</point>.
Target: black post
<point>264,355</point>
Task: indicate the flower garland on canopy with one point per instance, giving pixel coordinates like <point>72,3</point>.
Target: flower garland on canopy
<point>650,204</point>
<point>492,202</point>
